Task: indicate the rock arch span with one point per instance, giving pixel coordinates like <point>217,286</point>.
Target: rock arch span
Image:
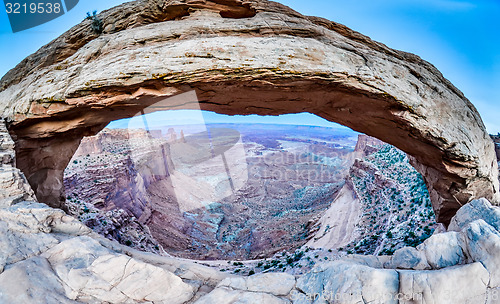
<point>242,57</point>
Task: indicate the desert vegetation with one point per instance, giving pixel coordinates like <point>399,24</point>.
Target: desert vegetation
<point>397,211</point>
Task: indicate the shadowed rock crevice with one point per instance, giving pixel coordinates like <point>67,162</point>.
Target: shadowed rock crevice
<point>274,62</point>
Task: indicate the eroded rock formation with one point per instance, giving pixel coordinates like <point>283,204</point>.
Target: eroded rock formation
<point>383,206</point>
<point>242,57</point>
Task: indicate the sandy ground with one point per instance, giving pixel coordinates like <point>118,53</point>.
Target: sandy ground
<point>339,221</point>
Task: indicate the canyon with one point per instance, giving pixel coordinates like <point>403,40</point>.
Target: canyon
<point>285,188</point>
<point>279,179</point>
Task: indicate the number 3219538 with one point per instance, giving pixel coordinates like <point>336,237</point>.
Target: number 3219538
<point>33,8</point>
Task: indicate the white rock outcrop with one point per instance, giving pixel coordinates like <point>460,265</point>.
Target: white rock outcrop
<point>344,282</point>
<point>466,284</point>
<point>225,295</point>
<point>89,269</point>
<point>49,257</point>
<point>482,243</point>
<point>242,57</point>
<point>278,284</point>
<point>477,209</point>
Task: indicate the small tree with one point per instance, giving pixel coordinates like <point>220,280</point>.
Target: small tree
<point>96,25</point>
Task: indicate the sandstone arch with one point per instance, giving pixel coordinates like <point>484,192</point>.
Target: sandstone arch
<point>243,57</point>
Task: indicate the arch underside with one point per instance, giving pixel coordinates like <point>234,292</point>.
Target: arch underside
<point>268,63</point>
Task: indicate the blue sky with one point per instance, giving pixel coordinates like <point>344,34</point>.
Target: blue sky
<point>197,117</point>
<point>461,38</point>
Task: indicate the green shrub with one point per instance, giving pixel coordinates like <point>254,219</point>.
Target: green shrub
<point>97,24</point>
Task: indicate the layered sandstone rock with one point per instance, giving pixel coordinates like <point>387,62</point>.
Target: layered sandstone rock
<point>242,57</point>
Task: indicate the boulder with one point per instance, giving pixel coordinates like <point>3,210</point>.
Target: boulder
<point>443,250</point>
<point>483,245</point>
<point>15,246</point>
<point>343,282</point>
<point>464,284</point>
<point>32,281</point>
<point>476,209</point>
<point>89,270</point>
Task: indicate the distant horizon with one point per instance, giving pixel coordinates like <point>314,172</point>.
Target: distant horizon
<point>245,123</point>
<point>177,118</point>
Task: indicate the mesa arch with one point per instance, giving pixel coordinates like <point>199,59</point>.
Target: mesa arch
<point>242,57</point>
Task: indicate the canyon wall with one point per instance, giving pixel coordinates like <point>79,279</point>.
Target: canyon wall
<point>383,206</point>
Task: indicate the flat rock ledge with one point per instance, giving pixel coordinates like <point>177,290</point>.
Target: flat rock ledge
<point>48,257</point>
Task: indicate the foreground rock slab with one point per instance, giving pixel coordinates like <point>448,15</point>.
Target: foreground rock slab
<point>344,282</point>
<point>465,284</point>
<point>49,257</point>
